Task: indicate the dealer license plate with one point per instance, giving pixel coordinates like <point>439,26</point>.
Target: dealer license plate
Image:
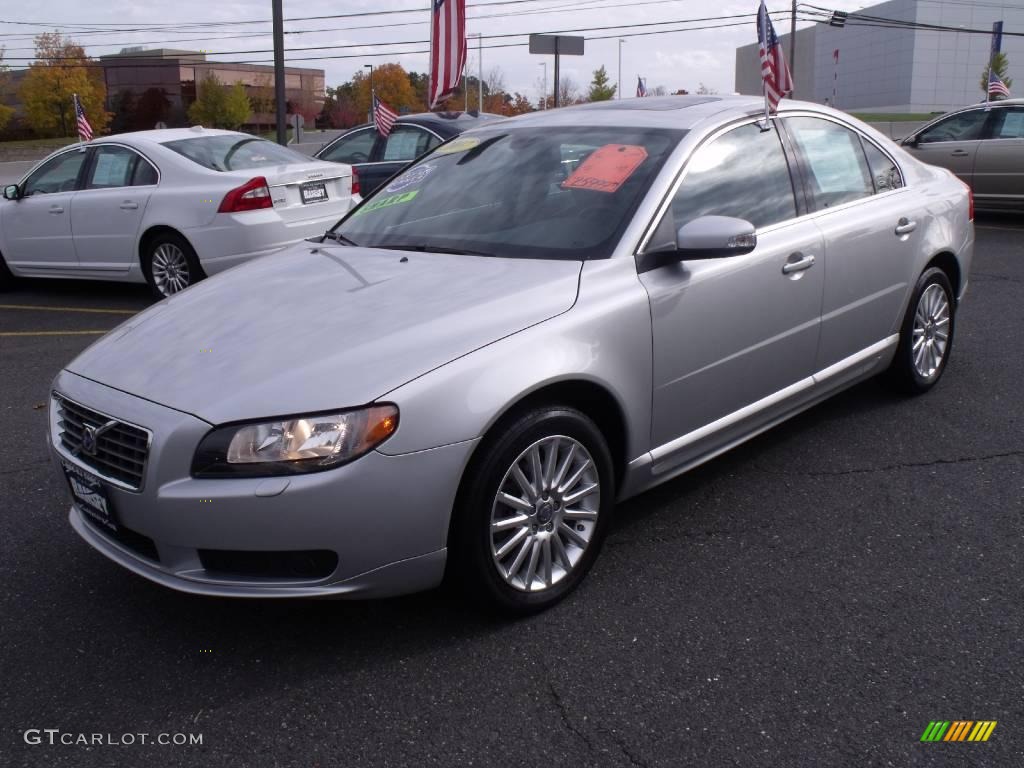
<point>313,193</point>
<point>90,496</point>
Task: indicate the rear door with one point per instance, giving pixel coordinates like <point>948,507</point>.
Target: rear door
<point>999,168</point>
<point>872,227</point>
<point>37,228</point>
<point>107,213</point>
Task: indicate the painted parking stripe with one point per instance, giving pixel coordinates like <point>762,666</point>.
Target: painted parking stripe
<point>56,333</point>
<point>71,309</point>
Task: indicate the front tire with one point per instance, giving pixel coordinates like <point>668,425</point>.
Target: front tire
<point>534,512</point>
<point>170,264</point>
<point>6,277</point>
<point>926,336</point>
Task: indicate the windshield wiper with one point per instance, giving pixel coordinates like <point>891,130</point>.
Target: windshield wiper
<point>435,249</point>
<point>339,238</point>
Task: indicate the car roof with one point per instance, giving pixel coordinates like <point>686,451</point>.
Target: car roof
<point>161,135</point>
<point>680,112</point>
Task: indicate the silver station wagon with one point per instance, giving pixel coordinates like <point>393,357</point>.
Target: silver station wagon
<point>539,319</point>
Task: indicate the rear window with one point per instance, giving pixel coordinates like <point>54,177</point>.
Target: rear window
<point>234,153</point>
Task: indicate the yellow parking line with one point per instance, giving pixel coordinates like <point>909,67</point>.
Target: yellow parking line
<point>56,333</point>
<point>71,309</point>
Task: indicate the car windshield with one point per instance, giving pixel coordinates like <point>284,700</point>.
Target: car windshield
<point>528,193</point>
<point>234,153</point>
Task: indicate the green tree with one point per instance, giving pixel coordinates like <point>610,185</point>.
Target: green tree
<point>217,106</point>
<point>61,69</point>
<point>600,90</point>
<point>5,112</point>
<point>999,66</point>
<point>237,108</point>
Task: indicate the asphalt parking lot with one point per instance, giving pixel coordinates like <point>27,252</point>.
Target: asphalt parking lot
<point>814,598</point>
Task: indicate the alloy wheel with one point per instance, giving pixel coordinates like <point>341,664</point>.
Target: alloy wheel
<point>931,331</point>
<point>544,513</point>
<point>170,269</point>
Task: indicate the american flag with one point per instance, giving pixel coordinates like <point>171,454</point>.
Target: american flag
<point>997,87</point>
<point>774,70</point>
<point>383,117</point>
<point>447,48</point>
<point>641,88</point>
<point>84,129</point>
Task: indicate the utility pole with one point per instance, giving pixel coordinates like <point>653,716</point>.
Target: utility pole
<point>280,107</point>
<point>370,111</point>
<point>480,76</point>
<point>619,89</point>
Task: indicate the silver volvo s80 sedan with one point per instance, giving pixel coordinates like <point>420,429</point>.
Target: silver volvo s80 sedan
<point>535,321</point>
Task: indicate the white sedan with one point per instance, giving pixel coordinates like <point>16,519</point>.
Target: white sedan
<point>167,207</point>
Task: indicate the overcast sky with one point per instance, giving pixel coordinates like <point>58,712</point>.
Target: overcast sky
<point>681,59</point>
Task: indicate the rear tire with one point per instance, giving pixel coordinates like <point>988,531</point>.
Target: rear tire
<point>533,513</point>
<point>926,336</point>
<point>170,264</point>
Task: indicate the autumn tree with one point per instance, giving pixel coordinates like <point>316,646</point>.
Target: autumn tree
<point>999,68</point>
<point>5,112</point>
<point>391,82</point>
<point>263,99</point>
<point>218,106</point>
<point>600,89</point>
<point>517,104</point>
<point>60,70</point>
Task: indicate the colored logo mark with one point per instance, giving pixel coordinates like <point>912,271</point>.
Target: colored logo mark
<point>958,730</point>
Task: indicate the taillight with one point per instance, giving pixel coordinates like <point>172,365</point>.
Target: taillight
<point>970,203</point>
<point>251,196</point>
<point>355,181</point>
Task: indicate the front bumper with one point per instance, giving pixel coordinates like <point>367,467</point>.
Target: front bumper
<point>384,517</point>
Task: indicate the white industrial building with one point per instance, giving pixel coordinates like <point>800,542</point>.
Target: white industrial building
<point>882,69</point>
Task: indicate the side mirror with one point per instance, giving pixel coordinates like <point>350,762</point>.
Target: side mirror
<point>12,192</point>
<point>910,141</point>
<point>712,237</point>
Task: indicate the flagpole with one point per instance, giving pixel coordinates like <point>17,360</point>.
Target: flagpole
<point>430,59</point>
<point>74,107</point>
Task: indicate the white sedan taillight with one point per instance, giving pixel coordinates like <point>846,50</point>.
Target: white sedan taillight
<point>251,196</point>
<point>355,181</point>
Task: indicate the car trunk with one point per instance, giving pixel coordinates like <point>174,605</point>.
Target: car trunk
<point>304,191</point>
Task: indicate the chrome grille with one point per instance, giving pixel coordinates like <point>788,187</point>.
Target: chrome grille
<point>120,449</point>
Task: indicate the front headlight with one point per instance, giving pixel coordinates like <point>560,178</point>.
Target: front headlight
<point>294,444</point>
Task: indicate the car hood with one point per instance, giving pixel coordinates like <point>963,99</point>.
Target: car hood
<point>317,328</point>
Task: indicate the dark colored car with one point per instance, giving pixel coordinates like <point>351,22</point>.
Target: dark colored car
<point>376,158</point>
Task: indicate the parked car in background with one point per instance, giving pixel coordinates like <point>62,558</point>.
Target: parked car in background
<point>983,144</point>
<point>543,317</point>
<point>167,207</point>
<point>376,158</point>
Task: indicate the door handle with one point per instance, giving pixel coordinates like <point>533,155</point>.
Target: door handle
<point>128,205</point>
<point>905,226</point>
<point>797,263</point>
<point>56,209</point>
<point>960,153</point>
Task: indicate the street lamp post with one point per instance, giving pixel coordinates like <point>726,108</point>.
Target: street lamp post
<point>369,114</point>
<point>619,90</point>
<point>480,76</point>
<point>544,93</point>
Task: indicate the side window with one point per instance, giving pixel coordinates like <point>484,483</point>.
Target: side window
<point>145,174</point>
<point>352,149</point>
<point>405,143</point>
<point>56,175</point>
<point>967,126</point>
<point>884,172</point>
<point>743,174</point>
<point>1009,123</point>
<point>837,170</point>
<point>112,166</point>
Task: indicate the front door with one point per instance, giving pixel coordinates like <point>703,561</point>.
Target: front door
<point>999,168</point>
<point>37,227</point>
<point>730,332</point>
<point>952,143</point>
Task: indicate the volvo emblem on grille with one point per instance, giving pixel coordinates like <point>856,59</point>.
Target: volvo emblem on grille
<point>89,441</point>
<point>91,436</point>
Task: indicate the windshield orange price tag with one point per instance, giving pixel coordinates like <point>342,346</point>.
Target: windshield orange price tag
<point>607,168</point>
